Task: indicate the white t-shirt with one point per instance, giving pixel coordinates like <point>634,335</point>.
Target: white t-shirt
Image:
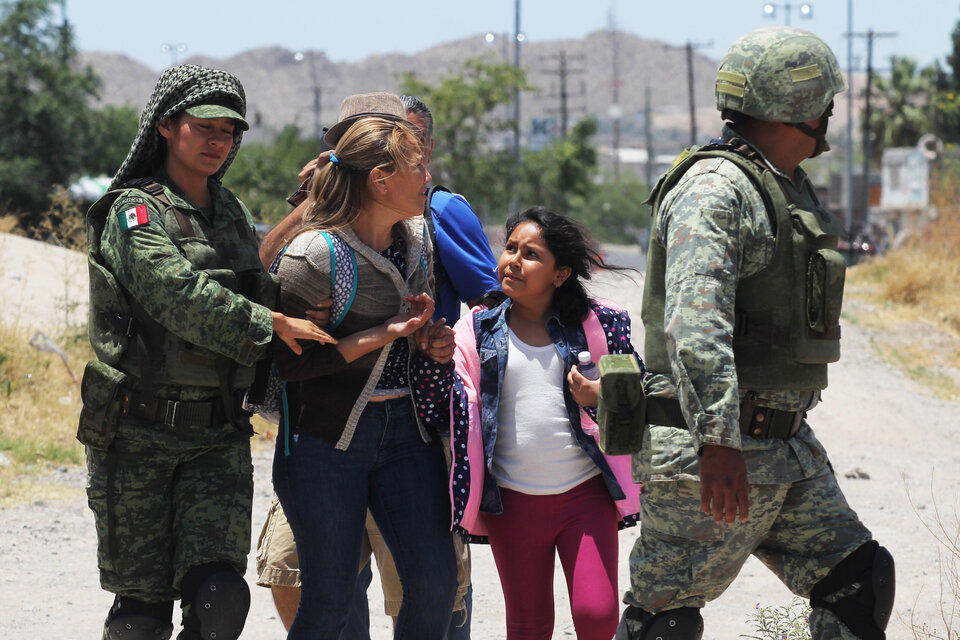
<point>535,451</point>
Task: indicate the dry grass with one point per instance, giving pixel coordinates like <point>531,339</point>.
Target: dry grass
<point>912,294</point>
<point>39,409</point>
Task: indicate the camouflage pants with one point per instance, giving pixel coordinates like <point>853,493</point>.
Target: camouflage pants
<point>167,499</point>
<point>799,530</point>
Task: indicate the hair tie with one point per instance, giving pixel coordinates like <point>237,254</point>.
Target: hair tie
<point>334,159</point>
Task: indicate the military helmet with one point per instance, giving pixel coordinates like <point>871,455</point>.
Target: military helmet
<point>781,74</point>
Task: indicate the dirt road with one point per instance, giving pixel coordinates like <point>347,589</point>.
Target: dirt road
<point>886,439</point>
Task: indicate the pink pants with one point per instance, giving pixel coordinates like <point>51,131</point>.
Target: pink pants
<point>580,524</point>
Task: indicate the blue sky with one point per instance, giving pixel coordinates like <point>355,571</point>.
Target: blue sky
<point>349,31</point>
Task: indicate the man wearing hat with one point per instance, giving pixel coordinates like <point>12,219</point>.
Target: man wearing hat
<point>180,310</point>
<point>741,307</point>
<point>464,270</point>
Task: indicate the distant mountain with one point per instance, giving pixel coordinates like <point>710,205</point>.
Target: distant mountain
<point>280,90</point>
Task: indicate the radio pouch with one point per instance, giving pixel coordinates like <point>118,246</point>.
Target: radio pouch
<point>621,414</point>
<point>102,409</point>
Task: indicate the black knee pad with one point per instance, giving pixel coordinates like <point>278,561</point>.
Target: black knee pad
<point>215,600</point>
<point>860,591</point>
<point>132,619</point>
<point>685,623</point>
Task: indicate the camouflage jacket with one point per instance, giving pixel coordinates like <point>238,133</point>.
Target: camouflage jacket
<point>184,288</point>
<point>716,229</point>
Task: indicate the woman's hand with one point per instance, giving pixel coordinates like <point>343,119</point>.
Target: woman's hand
<point>292,329</point>
<point>437,341</point>
<point>403,324</point>
<point>585,392</point>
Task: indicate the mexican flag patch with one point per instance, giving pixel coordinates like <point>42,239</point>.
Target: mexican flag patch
<point>133,217</point>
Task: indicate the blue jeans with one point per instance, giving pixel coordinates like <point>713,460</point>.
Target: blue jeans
<point>325,494</point>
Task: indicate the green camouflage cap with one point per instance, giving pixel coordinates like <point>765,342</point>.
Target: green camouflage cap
<point>178,89</point>
<point>210,111</point>
<point>781,74</point>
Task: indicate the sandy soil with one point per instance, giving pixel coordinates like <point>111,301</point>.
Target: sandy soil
<point>890,444</point>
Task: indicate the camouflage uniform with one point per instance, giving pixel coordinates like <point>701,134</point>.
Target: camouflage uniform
<point>170,476</point>
<point>715,233</point>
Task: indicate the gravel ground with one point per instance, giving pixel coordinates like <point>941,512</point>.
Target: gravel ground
<point>889,443</point>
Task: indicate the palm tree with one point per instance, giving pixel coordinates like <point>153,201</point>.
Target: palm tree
<point>899,105</point>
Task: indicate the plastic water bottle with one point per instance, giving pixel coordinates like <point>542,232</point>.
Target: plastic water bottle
<point>587,367</point>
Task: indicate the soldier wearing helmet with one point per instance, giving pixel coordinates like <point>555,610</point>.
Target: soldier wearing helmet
<point>741,308</point>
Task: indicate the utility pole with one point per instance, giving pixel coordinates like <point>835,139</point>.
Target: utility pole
<point>615,111</point>
<point>848,174</point>
<point>648,137</point>
<point>517,39</point>
<point>563,71</point>
<point>690,46</point>
<point>173,48</point>
<point>870,35</point>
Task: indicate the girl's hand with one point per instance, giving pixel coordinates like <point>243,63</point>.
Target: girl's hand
<point>437,341</point>
<point>585,392</point>
<point>292,329</point>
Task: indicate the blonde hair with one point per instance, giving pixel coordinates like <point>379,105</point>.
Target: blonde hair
<point>339,189</point>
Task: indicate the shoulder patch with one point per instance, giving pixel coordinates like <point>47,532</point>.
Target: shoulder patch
<point>132,217</point>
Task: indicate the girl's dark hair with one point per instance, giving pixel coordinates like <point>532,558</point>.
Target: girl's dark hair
<point>572,247</point>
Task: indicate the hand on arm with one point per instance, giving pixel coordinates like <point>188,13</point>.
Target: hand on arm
<point>724,489</point>
<point>398,326</point>
<point>437,341</point>
<point>292,329</point>
<point>282,232</point>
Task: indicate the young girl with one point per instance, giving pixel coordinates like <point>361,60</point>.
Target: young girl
<point>353,441</point>
<point>527,473</point>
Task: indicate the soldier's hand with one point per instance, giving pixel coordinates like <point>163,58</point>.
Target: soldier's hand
<point>724,490</point>
<point>585,392</point>
<point>320,314</point>
<point>292,329</point>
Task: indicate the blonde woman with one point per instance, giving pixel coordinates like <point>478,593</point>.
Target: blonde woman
<point>351,440</point>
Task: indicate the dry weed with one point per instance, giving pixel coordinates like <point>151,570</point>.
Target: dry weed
<point>39,408</point>
<point>913,294</point>
<point>946,531</point>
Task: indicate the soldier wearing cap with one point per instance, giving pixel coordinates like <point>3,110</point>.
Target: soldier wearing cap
<point>180,310</point>
<point>741,308</point>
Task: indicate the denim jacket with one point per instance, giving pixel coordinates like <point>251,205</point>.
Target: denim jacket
<point>470,387</point>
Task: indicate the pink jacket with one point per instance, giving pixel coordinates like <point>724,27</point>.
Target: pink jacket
<point>467,477</point>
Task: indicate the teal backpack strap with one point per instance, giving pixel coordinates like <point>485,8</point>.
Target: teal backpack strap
<point>337,315</point>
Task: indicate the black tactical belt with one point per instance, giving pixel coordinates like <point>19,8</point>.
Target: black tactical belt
<point>765,423</point>
<point>177,413</point>
<point>755,421</point>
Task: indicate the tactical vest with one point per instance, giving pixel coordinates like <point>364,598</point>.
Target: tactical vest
<point>116,319</point>
<point>787,323</point>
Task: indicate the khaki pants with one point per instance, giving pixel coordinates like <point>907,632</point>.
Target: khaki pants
<point>277,562</point>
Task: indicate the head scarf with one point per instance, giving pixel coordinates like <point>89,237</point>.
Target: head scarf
<point>177,89</point>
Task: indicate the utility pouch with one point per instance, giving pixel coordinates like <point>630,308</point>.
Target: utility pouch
<point>621,414</point>
<point>226,278</point>
<point>825,277</point>
<point>101,410</point>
